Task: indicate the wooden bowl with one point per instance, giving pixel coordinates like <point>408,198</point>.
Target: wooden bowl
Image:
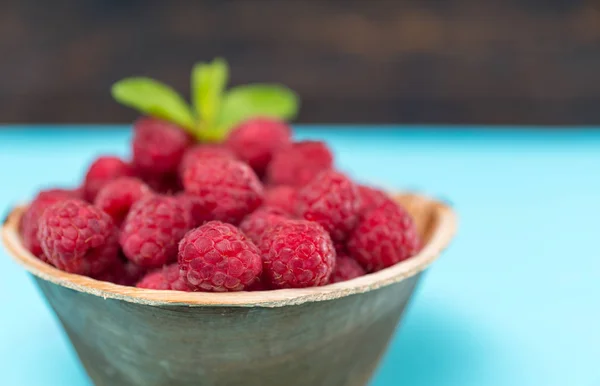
<point>324,336</point>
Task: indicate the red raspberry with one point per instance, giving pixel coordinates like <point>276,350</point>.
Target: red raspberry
<point>228,189</point>
<point>218,257</point>
<point>195,206</point>
<point>43,258</point>
<point>371,198</point>
<point>167,183</point>
<point>299,163</point>
<point>158,146</point>
<point>78,237</point>
<point>103,170</point>
<point>340,249</point>
<point>258,221</point>
<point>296,254</point>
<point>117,197</point>
<point>152,229</point>
<point>332,200</point>
<point>201,152</point>
<point>255,140</point>
<point>282,197</point>
<point>346,268</point>
<point>123,273</point>
<point>28,226</point>
<point>384,236</point>
<point>77,192</point>
<point>166,278</point>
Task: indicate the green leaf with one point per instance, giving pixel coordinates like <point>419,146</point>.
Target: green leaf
<point>154,98</point>
<point>250,101</point>
<point>208,82</point>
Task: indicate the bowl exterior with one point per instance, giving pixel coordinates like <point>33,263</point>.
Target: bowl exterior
<point>330,343</point>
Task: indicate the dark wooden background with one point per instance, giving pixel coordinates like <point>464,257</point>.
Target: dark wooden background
<point>449,61</point>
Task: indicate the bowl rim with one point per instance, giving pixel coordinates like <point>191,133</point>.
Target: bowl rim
<point>445,224</point>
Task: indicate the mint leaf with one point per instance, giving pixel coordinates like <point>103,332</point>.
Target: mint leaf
<point>154,98</point>
<point>255,100</point>
<point>208,82</point>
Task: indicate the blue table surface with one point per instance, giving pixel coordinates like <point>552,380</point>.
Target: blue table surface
<point>513,301</point>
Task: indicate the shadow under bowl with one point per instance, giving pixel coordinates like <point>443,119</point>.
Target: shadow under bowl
<point>331,335</point>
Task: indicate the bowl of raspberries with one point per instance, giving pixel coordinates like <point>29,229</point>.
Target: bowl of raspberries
<point>227,255</point>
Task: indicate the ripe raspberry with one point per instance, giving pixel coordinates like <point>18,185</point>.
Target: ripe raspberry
<point>158,146</point>
<point>282,197</point>
<point>371,198</point>
<point>117,197</point>
<point>166,278</point>
<point>77,192</point>
<point>218,257</point>
<point>123,273</point>
<point>340,249</point>
<point>346,268</point>
<point>299,163</point>
<point>195,206</point>
<point>228,189</point>
<point>28,226</point>
<point>201,152</point>
<point>332,200</point>
<point>296,254</point>
<point>258,221</point>
<point>43,258</point>
<point>103,170</point>
<point>152,229</point>
<point>78,237</point>
<point>167,183</point>
<point>384,236</point>
<point>255,140</point>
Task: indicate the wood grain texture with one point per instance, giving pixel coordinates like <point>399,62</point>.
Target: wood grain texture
<point>454,61</point>
<point>335,342</point>
<point>331,335</point>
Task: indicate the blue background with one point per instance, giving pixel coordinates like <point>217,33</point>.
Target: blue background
<point>514,301</point>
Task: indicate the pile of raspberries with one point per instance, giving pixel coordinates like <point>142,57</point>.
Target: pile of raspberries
<point>259,211</point>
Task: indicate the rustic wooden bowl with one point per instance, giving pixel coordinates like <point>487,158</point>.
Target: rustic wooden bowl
<point>325,336</point>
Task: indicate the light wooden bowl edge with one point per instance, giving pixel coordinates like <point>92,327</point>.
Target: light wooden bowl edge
<point>445,223</point>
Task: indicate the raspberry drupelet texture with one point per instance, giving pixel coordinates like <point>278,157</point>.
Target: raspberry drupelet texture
<point>384,236</point>
<point>77,237</point>
<point>199,153</point>
<point>346,268</point>
<point>298,163</point>
<point>101,171</point>
<point>254,141</point>
<point>282,197</point>
<point>152,229</point>
<point>158,146</point>
<point>227,189</point>
<point>371,198</point>
<point>28,226</point>
<point>117,197</point>
<point>255,224</point>
<point>166,278</point>
<point>218,257</point>
<point>332,200</point>
<point>296,254</point>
